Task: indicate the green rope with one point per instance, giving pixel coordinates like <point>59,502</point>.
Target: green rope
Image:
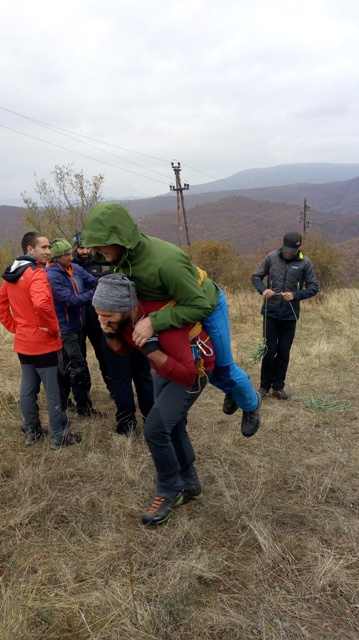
<point>261,349</point>
<point>329,403</point>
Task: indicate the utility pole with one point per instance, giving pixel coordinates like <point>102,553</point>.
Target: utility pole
<point>178,188</point>
<point>303,217</point>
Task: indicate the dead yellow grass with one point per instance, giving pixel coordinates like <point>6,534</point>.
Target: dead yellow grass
<point>270,553</point>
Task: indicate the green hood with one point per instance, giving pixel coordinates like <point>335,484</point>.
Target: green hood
<point>109,223</point>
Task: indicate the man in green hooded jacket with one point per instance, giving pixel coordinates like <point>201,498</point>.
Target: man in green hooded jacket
<point>162,271</point>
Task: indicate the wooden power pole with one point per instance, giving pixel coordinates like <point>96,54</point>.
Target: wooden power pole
<point>303,217</point>
<point>179,189</point>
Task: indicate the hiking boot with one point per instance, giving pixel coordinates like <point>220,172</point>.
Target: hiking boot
<point>229,406</point>
<point>33,436</point>
<point>280,394</point>
<point>67,441</point>
<point>91,413</point>
<point>126,428</point>
<point>251,420</point>
<point>264,392</point>
<point>161,509</point>
<point>70,406</point>
<point>192,494</point>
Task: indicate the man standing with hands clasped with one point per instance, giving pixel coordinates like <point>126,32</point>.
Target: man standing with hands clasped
<point>287,271</point>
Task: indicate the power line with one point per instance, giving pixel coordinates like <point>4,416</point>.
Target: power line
<point>71,134</point>
<point>110,144</point>
<point>56,129</point>
<point>53,144</point>
<point>115,146</point>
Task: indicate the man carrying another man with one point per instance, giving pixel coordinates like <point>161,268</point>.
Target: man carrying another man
<point>180,376</point>
<point>162,271</point>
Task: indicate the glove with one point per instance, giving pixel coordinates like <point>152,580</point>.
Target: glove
<point>152,344</point>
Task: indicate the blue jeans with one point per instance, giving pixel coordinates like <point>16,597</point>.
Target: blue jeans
<point>227,375</point>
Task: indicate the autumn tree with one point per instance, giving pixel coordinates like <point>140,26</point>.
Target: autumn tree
<point>63,203</point>
<point>326,260</point>
<point>221,262</point>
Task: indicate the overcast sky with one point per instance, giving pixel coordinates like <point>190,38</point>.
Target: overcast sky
<point>219,85</point>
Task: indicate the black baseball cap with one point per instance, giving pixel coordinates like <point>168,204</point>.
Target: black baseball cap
<point>291,242</point>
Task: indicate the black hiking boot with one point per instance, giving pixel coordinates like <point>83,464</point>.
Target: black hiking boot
<point>229,406</point>
<point>251,420</point>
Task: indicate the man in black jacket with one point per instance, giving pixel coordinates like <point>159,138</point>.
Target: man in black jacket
<point>92,330</point>
<point>287,271</point>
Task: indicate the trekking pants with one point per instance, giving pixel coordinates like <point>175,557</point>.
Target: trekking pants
<point>167,438</point>
<point>34,370</point>
<point>227,375</point>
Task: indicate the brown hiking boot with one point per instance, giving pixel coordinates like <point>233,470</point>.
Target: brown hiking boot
<point>263,392</point>
<point>280,394</point>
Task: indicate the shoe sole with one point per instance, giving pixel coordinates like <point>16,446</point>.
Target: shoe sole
<point>189,498</point>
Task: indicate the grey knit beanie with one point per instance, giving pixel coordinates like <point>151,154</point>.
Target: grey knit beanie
<point>115,292</point>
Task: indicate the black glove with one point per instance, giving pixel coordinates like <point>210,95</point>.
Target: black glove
<point>151,345</point>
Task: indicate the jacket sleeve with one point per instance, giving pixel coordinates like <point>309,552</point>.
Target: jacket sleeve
<point>192,305</point>
<point>42,302</point>
<point>311,283</point>
<point>6,317</point>
<point>259,275</point>
<point>64,295</point>
<point>90,281</point>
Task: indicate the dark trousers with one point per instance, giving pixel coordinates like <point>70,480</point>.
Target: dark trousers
<point>167,438</point>
<point>94,333</point>
<point>280,336</point>
<point>76,374</point>
<point>122,371</point>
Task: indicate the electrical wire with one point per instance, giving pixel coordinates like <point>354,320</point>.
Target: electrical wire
<point>109,164</point>
<point>71,134</point>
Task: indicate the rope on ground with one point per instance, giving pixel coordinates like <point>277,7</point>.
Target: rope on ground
<point>330,403</point>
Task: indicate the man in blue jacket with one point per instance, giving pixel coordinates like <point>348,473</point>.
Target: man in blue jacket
<point>72,289</point>
<point>290,279</point>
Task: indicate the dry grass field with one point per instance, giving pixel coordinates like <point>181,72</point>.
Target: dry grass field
<point>272,552</point>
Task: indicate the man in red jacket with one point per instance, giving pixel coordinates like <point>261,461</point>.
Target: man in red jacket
<point>183,360</point>
<point>27,310</point>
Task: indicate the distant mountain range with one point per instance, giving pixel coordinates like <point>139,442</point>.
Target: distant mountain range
<point>283,174</point>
